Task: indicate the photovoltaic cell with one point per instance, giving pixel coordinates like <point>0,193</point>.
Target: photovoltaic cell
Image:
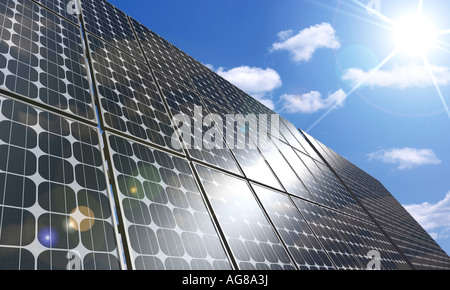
<point>165,217</point>
<point>42,58</point>
<point>294,231</point>
<point>252,240</point>
<point>129,97</point>
<point>55,211</point>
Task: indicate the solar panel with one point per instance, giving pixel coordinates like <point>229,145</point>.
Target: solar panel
<point>339,250</point>
<point>411,239</point>
<point>288,178</point>
<point>252,240</point>
<point>232,95</point>
<point>202,80</point>
<point>200,140</point>
<point>294,231</point>
<point>129,97</point>
<point>55,211</point>
<point>109,23</point>
<point>42,58</point>
<point>314,187</point>
<point>167,224</point>
<point>160,54</point>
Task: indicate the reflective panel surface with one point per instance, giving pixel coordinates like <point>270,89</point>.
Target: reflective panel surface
<point>161,55</point>
<point>42,58</point>
<point>294,231</point>
<point>109,23</point>
<point>55,211</point>
<point>129,97</point>
<point>165,217</point>
<point>252,240</point>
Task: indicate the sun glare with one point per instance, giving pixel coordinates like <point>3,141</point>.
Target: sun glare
<point>415,35</point>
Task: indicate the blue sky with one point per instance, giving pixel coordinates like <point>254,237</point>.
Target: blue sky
<point>324,66</point>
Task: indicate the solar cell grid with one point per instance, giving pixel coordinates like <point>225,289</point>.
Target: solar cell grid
<point>166,220</point>
<point>160,54</point>
<point>252,240</point>
<point>294,231</point>
<point>129,97</point>
<point>202,79</point>
<point>109,23</point>
<point>192,190</point>
<point>55,211</point>
<point>339,250</point>
<point>42,58</point>
<point>288,178</point>
<point>202,142</point>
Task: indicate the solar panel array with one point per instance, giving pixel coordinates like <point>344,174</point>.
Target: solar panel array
<point>412,240</point>
<point>108,162</point>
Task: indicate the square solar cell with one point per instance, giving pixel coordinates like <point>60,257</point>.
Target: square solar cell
<point>252,240</point>
<point>166,221</point>
<point>55,211</point>
<point>109,23</point>
<point>129,97</point>
<point>42,58</point>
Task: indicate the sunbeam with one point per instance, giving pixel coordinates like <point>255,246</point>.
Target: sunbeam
<point>357,86</point>
<point>420,8</point>
<point>438,89</point>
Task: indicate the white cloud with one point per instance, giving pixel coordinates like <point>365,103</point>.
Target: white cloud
<point>406,158</point>
<point>411,75</point>
<point>435,218</point>
<point>312,102</point>
<point>285,34</point>
<point>255,81</point>
<point>210,66</point>
<point>303,45</point>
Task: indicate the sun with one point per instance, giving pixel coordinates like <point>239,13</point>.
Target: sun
<point>415,35</point>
